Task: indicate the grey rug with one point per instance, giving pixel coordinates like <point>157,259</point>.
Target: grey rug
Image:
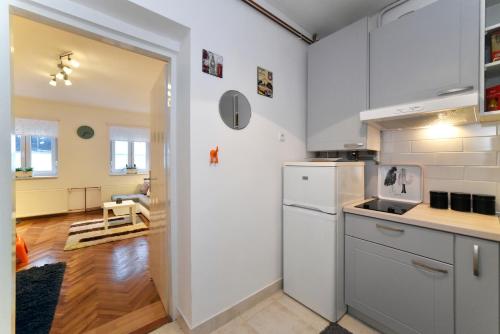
<point>37,292</point>
<point>334,328</point>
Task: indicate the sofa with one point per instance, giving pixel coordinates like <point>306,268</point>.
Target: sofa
<point>141,200</point>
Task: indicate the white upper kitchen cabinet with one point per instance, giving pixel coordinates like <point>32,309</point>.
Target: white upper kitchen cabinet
<point>426,53</point>
<point>338,92</point>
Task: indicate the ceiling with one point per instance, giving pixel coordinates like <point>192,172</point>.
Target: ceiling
<point>327,16</point>
<point>108,76</point>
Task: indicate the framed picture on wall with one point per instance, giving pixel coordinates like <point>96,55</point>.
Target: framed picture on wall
<point>211,63</point>
<point>264,82</point>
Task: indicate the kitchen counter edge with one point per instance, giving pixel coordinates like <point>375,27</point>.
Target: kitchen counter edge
<point>464,223</point>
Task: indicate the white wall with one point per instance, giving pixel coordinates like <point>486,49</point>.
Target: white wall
<point>235,207</point>
<point>81,162</point>
<point>229,224</point>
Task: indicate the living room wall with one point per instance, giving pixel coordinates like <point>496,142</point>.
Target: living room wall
<point>82,163</point>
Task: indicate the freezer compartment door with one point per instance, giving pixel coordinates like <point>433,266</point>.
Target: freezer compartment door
<point>311,269</point>
<point>310,187</point>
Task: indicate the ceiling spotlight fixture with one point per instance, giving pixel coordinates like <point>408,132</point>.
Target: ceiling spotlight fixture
<point>53,81</point>
<point>73,62</point>
<point>65,68</point>
<point>67,82</point>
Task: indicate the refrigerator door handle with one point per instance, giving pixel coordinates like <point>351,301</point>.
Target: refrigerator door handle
<point>305,207</point>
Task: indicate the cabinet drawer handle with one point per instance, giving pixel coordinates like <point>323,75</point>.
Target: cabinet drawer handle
<point>475,261</point>
<point>354,145</point>
<point>457,90</point>
<point>427,267</point>
<point>392,229</point>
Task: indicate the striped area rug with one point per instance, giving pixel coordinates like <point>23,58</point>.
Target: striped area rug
<point>91,232</point>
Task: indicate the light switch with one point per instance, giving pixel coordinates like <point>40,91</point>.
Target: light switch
<point>281,137</point>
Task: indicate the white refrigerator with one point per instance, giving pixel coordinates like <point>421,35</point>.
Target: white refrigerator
<point>313,231</point>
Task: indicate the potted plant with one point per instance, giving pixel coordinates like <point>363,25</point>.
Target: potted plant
<point>28,172</point>
<point>131,169</point>
<point>19,173</point>
<point>24,172</point>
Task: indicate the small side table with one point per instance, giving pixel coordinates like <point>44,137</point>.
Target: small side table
<point>113,205</point>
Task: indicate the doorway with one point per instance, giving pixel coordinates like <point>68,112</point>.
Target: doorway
<point>159,237</point>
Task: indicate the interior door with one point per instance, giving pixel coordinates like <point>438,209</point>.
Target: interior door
<point>159,237</point>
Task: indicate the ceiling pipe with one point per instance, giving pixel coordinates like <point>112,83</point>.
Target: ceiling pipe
<point>386,9</point>
<point>277,20</point>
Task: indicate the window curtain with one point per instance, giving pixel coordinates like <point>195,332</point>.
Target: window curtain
<point>36,127</point>
<point>128,133</point>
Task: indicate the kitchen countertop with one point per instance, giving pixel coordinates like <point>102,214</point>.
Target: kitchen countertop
<point>465,223</point>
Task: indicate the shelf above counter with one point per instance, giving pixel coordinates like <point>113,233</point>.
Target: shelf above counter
<point>492,68</point>
<point>491,28</point>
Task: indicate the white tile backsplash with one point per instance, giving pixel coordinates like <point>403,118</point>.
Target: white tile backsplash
<point>480,187</point>
<point>466,158</point>
<point>396,147</point>
<point>444,172</point>
<point>414,158</point>
<point>477,130</point>
<point>482,173</point>
<point>437,145</point>
<point>462,158</point>
<point>481,144</point>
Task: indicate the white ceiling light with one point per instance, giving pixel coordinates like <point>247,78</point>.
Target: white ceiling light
<point>73,62</point>
<point>53,81</point>
<point>67,69</point>
<point>64,70</point>
<point>67,82</point>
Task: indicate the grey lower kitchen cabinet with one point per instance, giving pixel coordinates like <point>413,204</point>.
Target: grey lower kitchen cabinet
<point>404,292</point>
<point>427,53</point>
<point>338,92</point>
<point>402,278</point>
<point>477,285</point>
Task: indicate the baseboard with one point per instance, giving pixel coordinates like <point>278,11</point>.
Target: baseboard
<point>181,321</point>
<point>232,312</point>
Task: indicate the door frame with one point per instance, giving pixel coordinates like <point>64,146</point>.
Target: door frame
<point>84,23</point>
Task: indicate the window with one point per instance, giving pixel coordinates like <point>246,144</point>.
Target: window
<point>129,147</point>
<point>127,154</point>
<point>120,155</point>
<point>36,146</point>
<point>140,155</point>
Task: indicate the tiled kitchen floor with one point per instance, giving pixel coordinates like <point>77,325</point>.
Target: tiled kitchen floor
<point>279,314</point>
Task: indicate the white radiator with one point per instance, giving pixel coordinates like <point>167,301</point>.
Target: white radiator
<point>41,202</point>
<point>84,198</point>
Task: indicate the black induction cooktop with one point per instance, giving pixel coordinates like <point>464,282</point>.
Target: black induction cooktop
<point>383,205</point>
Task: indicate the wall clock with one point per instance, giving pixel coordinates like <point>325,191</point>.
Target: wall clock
<point>85,132</point>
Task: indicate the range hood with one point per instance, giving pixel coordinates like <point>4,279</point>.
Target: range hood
<point>454,110</point>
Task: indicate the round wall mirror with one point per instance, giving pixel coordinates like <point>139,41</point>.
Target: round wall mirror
<point>235,110</point>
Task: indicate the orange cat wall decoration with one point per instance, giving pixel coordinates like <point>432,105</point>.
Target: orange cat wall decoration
<point>214,156</point>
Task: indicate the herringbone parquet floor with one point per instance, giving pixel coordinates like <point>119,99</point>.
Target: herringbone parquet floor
<point>102,283</point>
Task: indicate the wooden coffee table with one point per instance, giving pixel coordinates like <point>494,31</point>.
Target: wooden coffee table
<point>113,205</point>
